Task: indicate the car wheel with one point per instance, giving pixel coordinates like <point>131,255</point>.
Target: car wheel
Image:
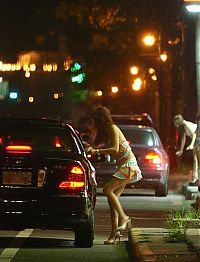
<point>162,190</point>
<point>84,233</point>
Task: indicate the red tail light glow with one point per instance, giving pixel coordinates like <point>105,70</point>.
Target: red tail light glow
<point>154,158</point>
<point>19,149</point>
<point>77,170</point>
<point>71,185</point>
<point>57,142</point>
<point>76,179</point>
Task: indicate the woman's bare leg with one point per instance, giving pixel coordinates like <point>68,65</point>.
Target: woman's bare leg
<point>113,212</point>
<point>109,189</point>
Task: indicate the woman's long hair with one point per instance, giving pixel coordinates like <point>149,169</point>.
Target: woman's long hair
<point>102,122</point>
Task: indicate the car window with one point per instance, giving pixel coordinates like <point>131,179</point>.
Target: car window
<point>126,121</point>
<point>40,138</point>
<point>139,136</point>
<point>144,120</point>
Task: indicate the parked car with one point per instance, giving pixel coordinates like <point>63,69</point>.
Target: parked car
<point>46,180</point>
<point>143,119</point>
<point>151,156</point>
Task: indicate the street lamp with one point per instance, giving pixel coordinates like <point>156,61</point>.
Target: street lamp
<point>151,70</point>
<point>134,70</point>
<point>194,7</point>
<point>137,84</point>
<point>149,39</point>
<point>98,93</point>
<point>152,40</point>
<point>163,56</point>
<point>114,89</point>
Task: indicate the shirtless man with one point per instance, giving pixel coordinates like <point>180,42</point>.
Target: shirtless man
<point>189,129</point>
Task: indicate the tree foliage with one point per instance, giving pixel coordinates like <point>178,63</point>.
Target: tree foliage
<point>96,14</point>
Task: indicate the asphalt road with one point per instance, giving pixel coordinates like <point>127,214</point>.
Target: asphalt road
<point>51,246</point>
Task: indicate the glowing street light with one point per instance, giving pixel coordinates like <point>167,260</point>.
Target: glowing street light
<point>154,77</point>
<point>114,89</point>
<point>137,84</point>
<point>193,6</point>
<point>163,57</point>
<point>149,40</point>
<point>151,70</point>
<point>134,70</point>
<point>99,93</point>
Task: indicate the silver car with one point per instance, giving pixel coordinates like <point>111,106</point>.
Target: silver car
<point>151,156</point>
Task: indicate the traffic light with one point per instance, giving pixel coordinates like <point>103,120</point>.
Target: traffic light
<point>77,75</point>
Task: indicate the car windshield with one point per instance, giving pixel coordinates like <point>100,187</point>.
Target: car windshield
<point>38,137</point>
<point>139,136</point>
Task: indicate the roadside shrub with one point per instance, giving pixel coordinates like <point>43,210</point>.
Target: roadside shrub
<point>178,221</point>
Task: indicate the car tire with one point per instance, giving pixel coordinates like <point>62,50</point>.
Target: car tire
<point>84,233</point>
<point>162,190</point>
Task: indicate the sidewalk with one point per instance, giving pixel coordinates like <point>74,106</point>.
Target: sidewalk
<point>149,244</point>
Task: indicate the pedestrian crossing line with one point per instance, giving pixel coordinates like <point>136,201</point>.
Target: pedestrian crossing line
<point>9,253</point>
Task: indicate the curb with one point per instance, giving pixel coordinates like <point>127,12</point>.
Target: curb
<point>148,245</point>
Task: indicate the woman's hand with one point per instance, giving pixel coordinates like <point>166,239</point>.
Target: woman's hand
<point>92,150</point>
<point>88,149</point>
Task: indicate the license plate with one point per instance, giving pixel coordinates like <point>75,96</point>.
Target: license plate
<point>17,178</point>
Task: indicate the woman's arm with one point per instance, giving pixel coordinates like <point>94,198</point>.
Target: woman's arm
<point>114,148</point>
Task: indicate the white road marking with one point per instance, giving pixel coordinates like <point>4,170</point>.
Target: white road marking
<point>9,253</point>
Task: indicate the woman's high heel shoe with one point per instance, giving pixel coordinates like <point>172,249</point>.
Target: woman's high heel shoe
<point>111,241</point>
<point>124,225</point>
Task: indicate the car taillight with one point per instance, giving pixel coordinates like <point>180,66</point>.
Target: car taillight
<point>18,149</point>
<point>153,158</point>
<point>76,179</point>
<point>57,142</point>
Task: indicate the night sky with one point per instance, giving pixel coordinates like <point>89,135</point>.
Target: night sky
<point>35,25</point>
<point>23,21</point>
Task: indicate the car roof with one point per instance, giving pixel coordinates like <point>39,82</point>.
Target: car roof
<point>139,127</point>
<point>135,119</point>
<point>29,120</point>
<point>132,115</point>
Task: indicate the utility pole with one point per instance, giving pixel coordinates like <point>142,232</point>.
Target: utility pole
<point>198,63</point>
<point>193,6</point>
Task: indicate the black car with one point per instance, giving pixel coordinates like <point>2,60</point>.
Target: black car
<point>46,180</point>
<point>151,157</point>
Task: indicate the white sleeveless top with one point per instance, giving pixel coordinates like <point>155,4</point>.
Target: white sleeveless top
<point>190,128</point>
